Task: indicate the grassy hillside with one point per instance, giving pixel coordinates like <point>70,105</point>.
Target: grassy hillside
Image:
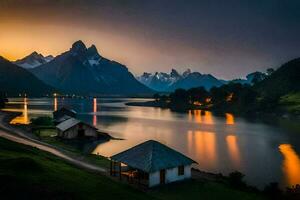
<point>28,173</point>
<point>290,103</point>
<point>283,81</point>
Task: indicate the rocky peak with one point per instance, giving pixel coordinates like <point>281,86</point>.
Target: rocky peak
<point>186,72</point>
<point>174,73</point>
<point>78,47</point>
<point>93,52</point>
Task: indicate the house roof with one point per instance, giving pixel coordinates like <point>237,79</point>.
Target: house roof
<point>65,109</point>
<point>65,125</point>
<point>69,123</point>
<point>152,156</point>
<point>63,118</point>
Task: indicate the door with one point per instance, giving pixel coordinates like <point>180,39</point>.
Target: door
<point>162,176</point>
<point>81,133</point>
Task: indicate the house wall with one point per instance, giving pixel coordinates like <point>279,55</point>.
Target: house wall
<point>171,176</point>
<point>73,132</point>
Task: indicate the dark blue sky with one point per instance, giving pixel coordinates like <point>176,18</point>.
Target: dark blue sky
<point>226,38</point>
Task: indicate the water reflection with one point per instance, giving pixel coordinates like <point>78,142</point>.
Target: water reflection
<point>202,117</point>
<point>95,112</point>
<point>218,144</point>
<point>233,150</point>
<point>229,119</point>
<point>204,145</point>
<point>55,104</point>
<point>22,119</point>
<point>291,164</point>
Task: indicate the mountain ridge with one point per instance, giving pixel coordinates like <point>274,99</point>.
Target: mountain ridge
<point>17,80</point>
<point>33,60</point>
<point>83,70</point>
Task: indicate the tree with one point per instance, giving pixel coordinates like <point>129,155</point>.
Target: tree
<point>270,71</point>
<point>156,96</point>
<point>179,100</point>
<point>273,191</point>
<point>197,94</point>
<point>42,121</point>
<point>236,179</point>
<point>3,100</point>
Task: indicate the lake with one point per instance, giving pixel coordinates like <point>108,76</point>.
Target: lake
<point>264,150</point>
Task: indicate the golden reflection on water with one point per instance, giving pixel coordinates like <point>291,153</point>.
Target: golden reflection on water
<point>204,145</point>
<point>233,150</point>
<point>22,119</point>
<point>95,112</point>
<point>55,104</point>
<point>201,117</point>
<point>291,164</point>
<point>229,119</point>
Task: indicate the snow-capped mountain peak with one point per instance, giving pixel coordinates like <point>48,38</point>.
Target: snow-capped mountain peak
<point>33,60</point>
<point>161,81</point>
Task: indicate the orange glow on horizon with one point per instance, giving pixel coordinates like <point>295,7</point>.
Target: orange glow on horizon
<point>290,164</point>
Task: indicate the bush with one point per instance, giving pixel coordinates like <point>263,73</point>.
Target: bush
<point>236,179</point>
<point>42,121</point>
<point>273,191</point>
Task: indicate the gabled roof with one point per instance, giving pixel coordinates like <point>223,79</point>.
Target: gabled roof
<point>152,156</point>
<point>63,118</point>
<point>69,123</point>
<point>65,109</point>
<point>65,125</point>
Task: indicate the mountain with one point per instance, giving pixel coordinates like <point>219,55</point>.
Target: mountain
<point>161,81</point>
<point>83,70</point>
<point>196,79</point>
<point>251,78</point>
<point>15,80</point>
<point>33,60</point>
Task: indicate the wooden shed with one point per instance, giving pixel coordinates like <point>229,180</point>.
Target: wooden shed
<point>73,128</point>
<point>152,163</point>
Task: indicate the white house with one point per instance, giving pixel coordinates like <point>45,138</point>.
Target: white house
<point>152,163</point>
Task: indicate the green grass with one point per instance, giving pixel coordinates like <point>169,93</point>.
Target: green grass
<point>46,135</point>
<point>291,103</point>
<point>28,173</point>
<point>196,189</point>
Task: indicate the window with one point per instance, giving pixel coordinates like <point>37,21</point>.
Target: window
<point>180,170</point>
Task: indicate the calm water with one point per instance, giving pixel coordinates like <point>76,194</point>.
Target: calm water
<point>220,144</point>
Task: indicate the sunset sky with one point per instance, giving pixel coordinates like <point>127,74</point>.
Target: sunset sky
<point>227,40</point>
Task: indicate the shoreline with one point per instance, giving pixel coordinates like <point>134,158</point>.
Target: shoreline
<point>19,135</point>
<point>258,115</point>
<point>82,159</point>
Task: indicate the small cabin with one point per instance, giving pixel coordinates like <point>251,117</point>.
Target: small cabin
<point>63,114</point>
<point>73,128</point>
<point>151,163</point>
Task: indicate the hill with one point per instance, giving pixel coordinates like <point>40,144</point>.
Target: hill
<point>28,173</point>
<point>284,80</point>
<point>15,80</point>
